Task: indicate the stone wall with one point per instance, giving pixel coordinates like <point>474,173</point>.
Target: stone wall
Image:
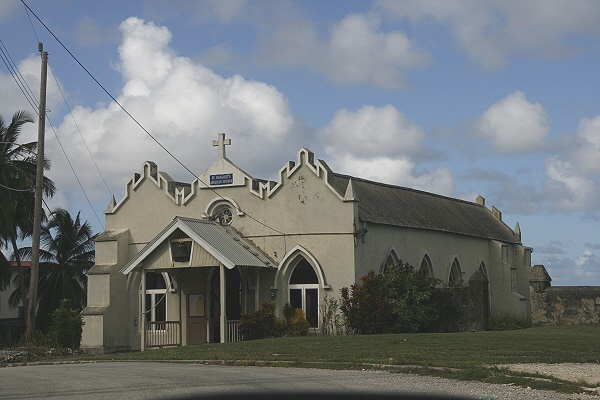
<point>562,305</point>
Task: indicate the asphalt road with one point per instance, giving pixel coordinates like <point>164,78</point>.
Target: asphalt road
<point>155,380</point>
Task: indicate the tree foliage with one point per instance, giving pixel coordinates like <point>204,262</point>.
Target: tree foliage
<point>17,180</point>
<point>401,300</point>
<point>298,325</point>
<point>67,251</point>
<point>67,326</point>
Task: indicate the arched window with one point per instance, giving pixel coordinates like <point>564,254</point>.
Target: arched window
<point>426,268</point>
<point>392,259</point>
<point>455,278</point>
<point>483,271</point>
<point>156,296</point>
<point>304,291</point>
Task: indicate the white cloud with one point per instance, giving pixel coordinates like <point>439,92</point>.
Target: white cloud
<point>490,31</point>
<point>569,190</point>
<point>587,155</point>
<point>588,264</point>
<point>377,144</point>
<point>514,124</point>
<point>183,104</point>
<point>356,51</point>
<point>13,99</point>
<point>372,131</point>
<point>396,171</point>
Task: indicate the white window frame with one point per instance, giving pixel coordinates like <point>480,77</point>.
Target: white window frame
<point>303,287</point>
<point>153,293</point>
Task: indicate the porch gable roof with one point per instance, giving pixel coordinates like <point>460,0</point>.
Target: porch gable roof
<point>221,242</point>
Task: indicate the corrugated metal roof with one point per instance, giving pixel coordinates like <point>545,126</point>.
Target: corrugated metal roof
<point>228,242</point>
<point>224,243</point>
<point>395,205</point>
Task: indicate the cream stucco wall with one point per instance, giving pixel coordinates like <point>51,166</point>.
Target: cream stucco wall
<point>298,216</point>
<point>317,222</point>
<point>411,245</point>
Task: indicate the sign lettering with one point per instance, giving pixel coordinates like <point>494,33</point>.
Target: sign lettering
<point>221,179</point>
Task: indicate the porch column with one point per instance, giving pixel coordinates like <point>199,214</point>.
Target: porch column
<point>223,295</point>
<point>257,290</point>
<point>143,316</point>
<point>180,317</point>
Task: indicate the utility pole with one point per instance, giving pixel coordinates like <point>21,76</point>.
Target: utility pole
<point>37,211</point>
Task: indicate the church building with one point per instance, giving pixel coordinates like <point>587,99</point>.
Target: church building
<point>179,262</point>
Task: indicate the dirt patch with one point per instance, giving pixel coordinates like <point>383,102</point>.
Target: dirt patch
<point>572,372</point>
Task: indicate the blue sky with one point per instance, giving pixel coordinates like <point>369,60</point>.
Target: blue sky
<point>457,97</point>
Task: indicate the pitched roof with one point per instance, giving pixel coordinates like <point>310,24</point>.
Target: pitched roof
<point>395,205</point>
<point>224,243</point>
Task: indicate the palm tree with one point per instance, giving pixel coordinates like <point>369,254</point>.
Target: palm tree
<point>17,179</point>
<point>67,251</point>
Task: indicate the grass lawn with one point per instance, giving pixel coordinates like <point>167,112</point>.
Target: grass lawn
<point>541,344</point>
<point>457,355</point>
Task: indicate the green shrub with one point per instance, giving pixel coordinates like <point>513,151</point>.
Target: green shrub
<point>298,324</point>
<point>504,321</point>
<point>261,324</point>
<point>288,313</point>
<point>401,300</point>
<point>364,305</point>
<point>67,326</point>
<point>333,322</point>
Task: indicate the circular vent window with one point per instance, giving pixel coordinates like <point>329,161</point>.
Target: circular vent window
<point>225,216</point>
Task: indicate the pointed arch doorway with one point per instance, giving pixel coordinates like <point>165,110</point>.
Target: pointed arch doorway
<point>304,291</point>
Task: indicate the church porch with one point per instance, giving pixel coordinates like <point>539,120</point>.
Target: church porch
<point>196,278</point>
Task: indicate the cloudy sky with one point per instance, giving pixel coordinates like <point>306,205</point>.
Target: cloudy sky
<point>457,97</point>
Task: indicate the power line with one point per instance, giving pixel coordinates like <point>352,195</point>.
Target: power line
<point>74,173</point>
<point>80,134</point>
<point>21,85</point>
<point>31,23</point>
<point>136,121</point>
<point>21,77</point>
<point>12,70</point>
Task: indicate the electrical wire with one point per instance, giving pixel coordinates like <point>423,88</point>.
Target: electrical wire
<point>31,23</point>
<point>20,84</point>
<point>14,71</point>
<point>74,173</point>
<point>80,134</point>
<point>137,122</point>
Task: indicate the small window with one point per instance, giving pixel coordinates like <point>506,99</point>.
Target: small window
<point>505,254</point>
<point>513,280</point>
<point>181,250</point>
<point>390,261</point>
<point>455,278</point>
<point>527,258</point>
<point>426,267</point>
<point>223,215</point>
<point>483,271</point>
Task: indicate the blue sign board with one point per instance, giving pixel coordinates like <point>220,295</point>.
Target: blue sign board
<point>221,179</point>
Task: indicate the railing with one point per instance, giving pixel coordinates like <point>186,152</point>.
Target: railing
<point>233,331</point>
<point>162,333</point>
